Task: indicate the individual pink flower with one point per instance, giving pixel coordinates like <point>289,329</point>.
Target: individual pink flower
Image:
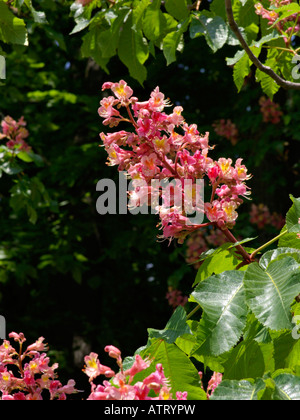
<point>122,91</point>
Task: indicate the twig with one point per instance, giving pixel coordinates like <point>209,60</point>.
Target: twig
<point>279,80</point>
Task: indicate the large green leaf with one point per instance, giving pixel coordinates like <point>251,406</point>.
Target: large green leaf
<point>270,292</point>
<point>225,312</point>
<point>293,216</point>
<point>290,240</point>
<point>172,41</point>
<point>177,8</point>
<point>216,261</point>
<point>154,23</point>
<point>182,374</point>
<point>284,386</point>
<point>240,71</point>
<point>133,51</point>
<point>238,390</point>
<point>246,360</point>
<point>176,327</point>
<point>12,29</point>
<point>214,29</point>
<point>278,253</point>
<point>287,387</point>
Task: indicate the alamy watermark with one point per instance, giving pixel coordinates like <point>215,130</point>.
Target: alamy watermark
<point>137,197</point>
<point>295,71</point>
<point>296,329</point>
<point>2,328</point>
<point>2,67</point>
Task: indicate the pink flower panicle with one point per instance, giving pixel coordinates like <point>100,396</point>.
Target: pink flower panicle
<point>122,385</point>
<point>34,377</point>
<point>164,147</point>
<point>270,110</point>
<point>227,129</point>
<point>289,25</point>
<point>16,133</point>
<point>175,297</point>
<point>261,216</point>
<point>214,381</point>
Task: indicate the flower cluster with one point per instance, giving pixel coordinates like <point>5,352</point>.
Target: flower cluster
<point>214,381</point>
<point>164,147</point>
<point>227,129</point>
<point>84,2</point>
<point>122,385</point>
<point>200,241</point>
<point>175,297</point>
<point>289,25</point>
<point>261,216</point>
<point>15,133</point>
<point>270,110</point>
<point>34,376</point>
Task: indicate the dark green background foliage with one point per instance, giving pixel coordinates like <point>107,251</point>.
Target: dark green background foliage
<point>104,278</point>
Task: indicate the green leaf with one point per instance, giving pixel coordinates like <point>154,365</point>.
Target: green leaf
<point>38,17</point>
<point>276,254</point>
<point>268,85</point>
<point>225,312</point>
<point>177,8</point>
<point>289,240</point>
<point>182,374</point>
<point>238,390</point>
<point>25,157</point>
<point>138,13</point>
<point>240,71</point>
<point>12,29</point>
<point>176,327</point>
<point>214,29</point>
<point>217,261</point>
<point>287,387</point>
<point>172,41</point>
<point>286,350</point>
<point>11,168</point>
<point>293,216</point>
<point>246,360</point>
<point>133,51</point>
<point>270,293</point>
<point>154,23</point>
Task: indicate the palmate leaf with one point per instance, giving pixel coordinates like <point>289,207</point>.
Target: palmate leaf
<point>225,312</point>
<point>270,292</point>
<point>175,327</point>
<point>180,371</point>
<point>133,51</point>
<point>293,216</point>
<point>284,386</point>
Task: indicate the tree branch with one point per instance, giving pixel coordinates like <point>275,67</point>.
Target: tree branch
<point>279,80</point>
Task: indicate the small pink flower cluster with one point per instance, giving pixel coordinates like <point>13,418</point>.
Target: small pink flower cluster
<point>165,147</point>
<point>261,216</point>
<point>214,381</point>
<point>227,129</point>
<point>200,241</point>
<point>16,133</point>
<point>175,297</point>
<point>122,385</point>
<point>34,373</point>
<point>289,25</point>
<point>84,2</point>
<point>270,110</point>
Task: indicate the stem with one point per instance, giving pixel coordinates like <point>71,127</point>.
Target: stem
<point>232,23</point>
<point>267,244</point>
<point>131,117</point>
<point>193,312</point>
<point>239,248</point>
